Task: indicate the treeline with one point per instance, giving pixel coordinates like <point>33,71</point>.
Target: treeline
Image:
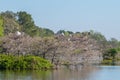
<point>22,21</point>
<point>11,22</point>
<point>21,36</point>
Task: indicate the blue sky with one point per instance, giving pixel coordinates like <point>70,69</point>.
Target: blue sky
<point>74,15</point>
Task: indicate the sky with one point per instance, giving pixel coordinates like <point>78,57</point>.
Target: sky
<point>73,15</point>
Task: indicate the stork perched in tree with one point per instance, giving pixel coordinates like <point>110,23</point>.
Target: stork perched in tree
<point>63,34</point>
<point>18,33</point>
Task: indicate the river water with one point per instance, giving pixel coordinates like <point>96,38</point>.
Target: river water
<point>66,73</point>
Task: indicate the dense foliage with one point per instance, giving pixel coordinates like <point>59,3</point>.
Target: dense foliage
<point>109,56</point>
<point>23,62</point>
<point>22,37</point>
<point>23,22</point>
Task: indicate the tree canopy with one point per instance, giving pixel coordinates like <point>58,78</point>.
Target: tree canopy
<point>11,22</point>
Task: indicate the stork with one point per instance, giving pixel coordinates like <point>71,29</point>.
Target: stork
<point>18,33</point>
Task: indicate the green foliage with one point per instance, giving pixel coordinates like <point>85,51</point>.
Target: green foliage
<point>66,33</point>
<point>27,22</point>
<point>28,26</point>
<point>97,36</point>
<point>45,32</point>
<point>114,43</point>
<point>10,23</point>
<point>1,26</point>
<point>118,50</point>
<point>60,32</point>
<point>9,14</point>
<point>109,57</point>
<point>110,54</point>
<point>107,62</point>
<point>23,62</point>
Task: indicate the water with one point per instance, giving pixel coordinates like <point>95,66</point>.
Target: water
<point>71,73</point>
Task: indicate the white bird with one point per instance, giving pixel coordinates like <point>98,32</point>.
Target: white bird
<point>63,34</point>
<point>18,33</point>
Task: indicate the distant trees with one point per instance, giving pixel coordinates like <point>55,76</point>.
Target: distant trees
<point>42,42</point>
<point>101,40</point>
<point>63,32</point>
<point>43,32</point>
<point>11,22</point>
<point>114,43</point>
<point>9,14</point>
<point>97,36</point>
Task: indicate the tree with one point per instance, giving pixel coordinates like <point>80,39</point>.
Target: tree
<point>10,23</point>
<point>46,46</point>
<point>66,33</point>
<point>9,14</point>
<point>97,36</point>
<point>114,43</point>
<point>27,23</point>
<point>110,53</point>
<point>60,32</point>
<point>1,26</point>
<point>43,32</point>
<point>101,40</point>
<point>18,45</point>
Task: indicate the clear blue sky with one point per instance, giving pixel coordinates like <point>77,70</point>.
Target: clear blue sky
<point>74,15</point>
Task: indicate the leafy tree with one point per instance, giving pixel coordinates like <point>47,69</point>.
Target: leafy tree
<point>97,36</point>
<point>66,33</point>
<point>110,53</point>
<point>60,32</point>
<point>9,14</point>
<point>1,26</point>
<point>101,40</point>
<point>46,32</point>
<point>27,23</point>
<point>10,23</point>
<point>114,43</point>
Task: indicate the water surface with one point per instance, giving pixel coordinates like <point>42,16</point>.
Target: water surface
<point>67,73</point>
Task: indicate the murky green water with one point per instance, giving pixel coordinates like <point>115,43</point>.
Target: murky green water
<point>79,73</point>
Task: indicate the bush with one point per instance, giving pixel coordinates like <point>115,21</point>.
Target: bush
<point>110,53</point>
<point>23,62</point>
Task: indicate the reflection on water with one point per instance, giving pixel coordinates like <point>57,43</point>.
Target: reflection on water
<point>66,73</point>
<point>24,75</point>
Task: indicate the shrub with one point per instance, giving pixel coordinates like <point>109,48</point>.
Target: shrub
<point>110,53</point>
<point>23,62</point>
